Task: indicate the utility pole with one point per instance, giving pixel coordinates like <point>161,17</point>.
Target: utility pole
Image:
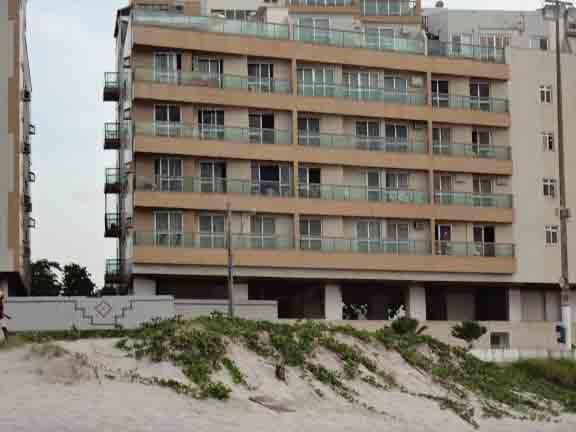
<point>563,211</point>
<point>230,260</point>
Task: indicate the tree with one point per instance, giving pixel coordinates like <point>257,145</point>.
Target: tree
<point>77,281</point>
<point>407,326</point>
<point>45,279</point>
<point>469,331</point>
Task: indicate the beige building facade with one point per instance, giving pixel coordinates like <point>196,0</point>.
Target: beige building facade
<point>366,161</point>
<point>15,148</point>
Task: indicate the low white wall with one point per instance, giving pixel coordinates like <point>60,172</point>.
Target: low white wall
<point>85,313</point>
<point>512,355</point>
<point>250,309</point>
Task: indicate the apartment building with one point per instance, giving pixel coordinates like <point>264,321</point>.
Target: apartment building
<point>15,148</point>
<point>366,160</point>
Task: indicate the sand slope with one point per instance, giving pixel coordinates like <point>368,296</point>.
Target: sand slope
<point>88,389</point>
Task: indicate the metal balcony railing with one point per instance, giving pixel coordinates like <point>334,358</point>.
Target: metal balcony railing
<point>474,199</point>
<point>451,248</point>
<point>473,151</point>
<point>362,193</point>
<point>217,133</point>
<point>111,136</point>
<point>111,87</point>
<point>363,94</point>
<point>112,223</point>
<point>213,80</point>
<point>113,181</point>
<point>114,270</point>
<point>351,142</point>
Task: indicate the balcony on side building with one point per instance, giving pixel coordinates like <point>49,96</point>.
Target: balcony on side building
<point>112,225</point>
<point>113,181</point>
<point>355,142</point>
<point>469,150</point>
<point>114,272</point>
<point>473,249</point>
<point>111,87</point>
<point>470,103</point>
<point>470,199</point>
<point>361,193</point>
<point>112,136</point>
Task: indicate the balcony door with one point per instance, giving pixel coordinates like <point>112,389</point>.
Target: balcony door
<point>316,81</point>
<point>262,128</point>
<point>262,232</point>
<point>462,45</point>
<point>309,131</point>
<point>369,236</point>
<point>167,120</point>
<point>396,137</point>
<point>213,176</point>
<point>261,77</point>
<point>167,67</point>
<point>168,227</point>
<point>440,93</point>
<point>271,179</point>
<point>211,123</point>
<point>444,239</point>
<point>482,142</point>
<point>441,140</point>
<point>211,69</point>
<point>483,188</point>
<point>398,237</point>
<point>212,231</point>
<point>444,188</point>
<point>310,182</point>
<point>397,186</point>
<point>480,95</point>
<point>311,233</point>
<point>484,240</point>
<point>361,84</point>
<point>168,175</point>
<point>396,88</point>
<point>373,182</point>
<point>314,29</point>
<point>368,136</point>
<point>383,38</point>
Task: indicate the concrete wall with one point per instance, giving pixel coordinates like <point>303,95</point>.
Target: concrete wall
<point>61,313</point>
<point>249,309</point>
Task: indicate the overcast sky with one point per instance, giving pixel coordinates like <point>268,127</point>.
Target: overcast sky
<point>71,46</point>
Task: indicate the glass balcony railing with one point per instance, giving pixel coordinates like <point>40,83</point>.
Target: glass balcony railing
<point>472,52</point>
<point>474,199</point>
<point>363,94</point>
<point>376,246</point>
<point>320,3</point>
<point>473,151</point>
<point>217,133</point>
<point>321,36</point>
<point>473,103</point>
<point>200,240</point>
<point>361,193</point>
<point>450,248</point>
<point>213,185</point>
<point>351,142</point>
<point>388,8</point>
<point>213,80</point>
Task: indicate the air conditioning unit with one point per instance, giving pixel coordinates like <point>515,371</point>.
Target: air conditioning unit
<point>26,95</point>
<point>417,81</point>
<point>501,181</point>
<point>419,226</point>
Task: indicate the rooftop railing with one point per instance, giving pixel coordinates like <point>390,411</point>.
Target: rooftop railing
<point>363,94</point>
<point>361,193</point>
<point>333,37</point>
<point>212,80</point>
<point>352,142</point>
<point>473,151</point>
<point>450,248</point>
<point>474,199</point>
<point>218,133</point>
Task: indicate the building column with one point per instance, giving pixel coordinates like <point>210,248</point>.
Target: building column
<point>514,304</point>
<point>333,302</point>
<point>240,292</point>
<point>144,287</point>
<point>416,302</point>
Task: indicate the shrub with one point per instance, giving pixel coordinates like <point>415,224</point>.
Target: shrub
<point>407,326</point>
<point>469,331</point>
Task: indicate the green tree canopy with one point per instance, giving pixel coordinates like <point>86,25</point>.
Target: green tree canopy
<point>45,280</point>
<point>77,281</point>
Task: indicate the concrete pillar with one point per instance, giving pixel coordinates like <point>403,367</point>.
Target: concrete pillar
<point>416,302</point>
<point>240,292</point>
<point>144,287</point>
<point>552,304</point>
<point>333,302</point>
<point>514,304</point>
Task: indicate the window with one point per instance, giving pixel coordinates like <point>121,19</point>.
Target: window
<point>380,38</point>
<point>310,180</point>
<point>261,77</point>
<point>548,141</point>
<point>309,131</point>
<point>234,14</point>
<point>546,94</point>
<point>361,84</point>
<point>369,236</point>
<point>493,45</point>
<point>482,142</point>
<point>539,42</point>
<point>480,95</point>
<point>262,128</point>
<point>397,180</point>
<point>209,70</point>
<point>271,179</point>
<point>368,135</point>
<point>396,137</point>
<point>549,187</point>
<point>313,29</point>
<point>167,120</point>
<point>440,93</point>
<point>316,81</point>
<point>398,237</point>
<point>387,7</point>
<point>262,232</point>
<point>500,340</point>
<point>311,233</point>
<point>168,228</point>
<point>462,45</point>
<point>212,231</point>
<point>168,175</point>
<point>441,140</point>
<point>213,176</point>
<point>374,185</point>
<point>551,234</point>
<point>167,67</point>
<point>211,123</point>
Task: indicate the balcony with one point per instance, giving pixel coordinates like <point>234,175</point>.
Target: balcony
<point>114,273</point>
<point>114,183</point>
<point>213,185</point>
<point>217,133</point>
<point>473,151</point>
<point>361,193</point>
<point>361,94</point>
<point>111,87</point>
<point>470,52</point>
<point>352,142</point>
<point>371,246</point>
<point>470,103</point>
<point>199,240</point>
<point>112,224</point>
<point>389,8</point>
<point>27,203</point>
<point>321,3</point>
<point>112,136</point>
<point>502,201</point>
<point>474,249</point>
<point>212,80</point>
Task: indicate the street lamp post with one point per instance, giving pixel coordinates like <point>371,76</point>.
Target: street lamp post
<point>230,259</point>
<point>563,212</point>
